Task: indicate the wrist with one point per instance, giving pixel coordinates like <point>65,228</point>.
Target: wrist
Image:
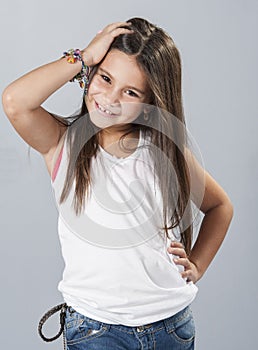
<point>75,57</point>
<point>198,271</point>
<point>86,58</point>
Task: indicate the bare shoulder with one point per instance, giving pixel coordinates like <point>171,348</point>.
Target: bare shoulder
<point>40,129</point>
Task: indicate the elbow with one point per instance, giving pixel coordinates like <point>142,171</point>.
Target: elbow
<point>225,206</point>
<point>229,205</point>
<point>228,209</point>
<point>231,208</point>
<point>9,103</point>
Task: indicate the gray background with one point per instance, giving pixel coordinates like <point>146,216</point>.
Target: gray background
<point>218,44</point>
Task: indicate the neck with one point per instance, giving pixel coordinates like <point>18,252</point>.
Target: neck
<point>114,133</point>
<point>109,137</point>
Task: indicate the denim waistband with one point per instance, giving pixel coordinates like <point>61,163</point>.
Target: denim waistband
<point>168,323</point>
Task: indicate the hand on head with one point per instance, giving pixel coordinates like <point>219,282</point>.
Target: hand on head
<point>100,44</point>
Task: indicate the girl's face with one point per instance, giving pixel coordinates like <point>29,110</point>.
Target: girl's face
<point>117,92</point>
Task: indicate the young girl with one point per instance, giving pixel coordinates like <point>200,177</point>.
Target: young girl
<point>129,278</point>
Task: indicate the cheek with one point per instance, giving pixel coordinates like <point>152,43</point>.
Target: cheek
<point>97,85</point>
<point>93,89</point>
<point>131,110</point>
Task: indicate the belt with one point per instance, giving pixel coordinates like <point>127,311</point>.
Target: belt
<point>62,308</point>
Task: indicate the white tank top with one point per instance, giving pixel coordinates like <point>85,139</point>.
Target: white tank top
<point>117,268</point>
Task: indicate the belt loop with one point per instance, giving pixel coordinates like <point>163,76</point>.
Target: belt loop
<point>169,325</point>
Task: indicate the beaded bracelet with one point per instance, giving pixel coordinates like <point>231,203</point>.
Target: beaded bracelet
<point>83,76</point>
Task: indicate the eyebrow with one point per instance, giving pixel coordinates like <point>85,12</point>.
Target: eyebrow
<point>130,87</point>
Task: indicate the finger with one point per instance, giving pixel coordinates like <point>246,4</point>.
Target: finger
<point>119,31</point>
<point>183,261</point>
<point>114,25</point>
<point>187,275</point>
<point>178,251</point>
<point>176,244</point>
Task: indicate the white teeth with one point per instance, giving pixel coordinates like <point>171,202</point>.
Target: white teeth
<point>104,110</point>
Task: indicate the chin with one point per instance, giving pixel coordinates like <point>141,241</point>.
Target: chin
<point>99,121</point>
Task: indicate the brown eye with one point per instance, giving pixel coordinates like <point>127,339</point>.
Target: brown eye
<point>132,93</point>
<point>104,77</point>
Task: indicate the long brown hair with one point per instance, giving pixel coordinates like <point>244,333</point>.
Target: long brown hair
<point>157,54</point>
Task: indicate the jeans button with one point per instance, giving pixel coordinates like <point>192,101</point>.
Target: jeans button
<point>140,328</point>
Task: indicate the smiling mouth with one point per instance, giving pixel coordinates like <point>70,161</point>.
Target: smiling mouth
<point>104,111</point>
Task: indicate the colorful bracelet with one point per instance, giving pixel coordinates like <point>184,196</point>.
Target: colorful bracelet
<point>83,76</point>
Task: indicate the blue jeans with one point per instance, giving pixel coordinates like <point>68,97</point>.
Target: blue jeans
<point>173,333</point>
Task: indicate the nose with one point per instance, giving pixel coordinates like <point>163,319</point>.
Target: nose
<point>111,98</point>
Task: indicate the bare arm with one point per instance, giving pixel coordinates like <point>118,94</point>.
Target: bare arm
<point>22,99</point>
<point>218,211</point>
